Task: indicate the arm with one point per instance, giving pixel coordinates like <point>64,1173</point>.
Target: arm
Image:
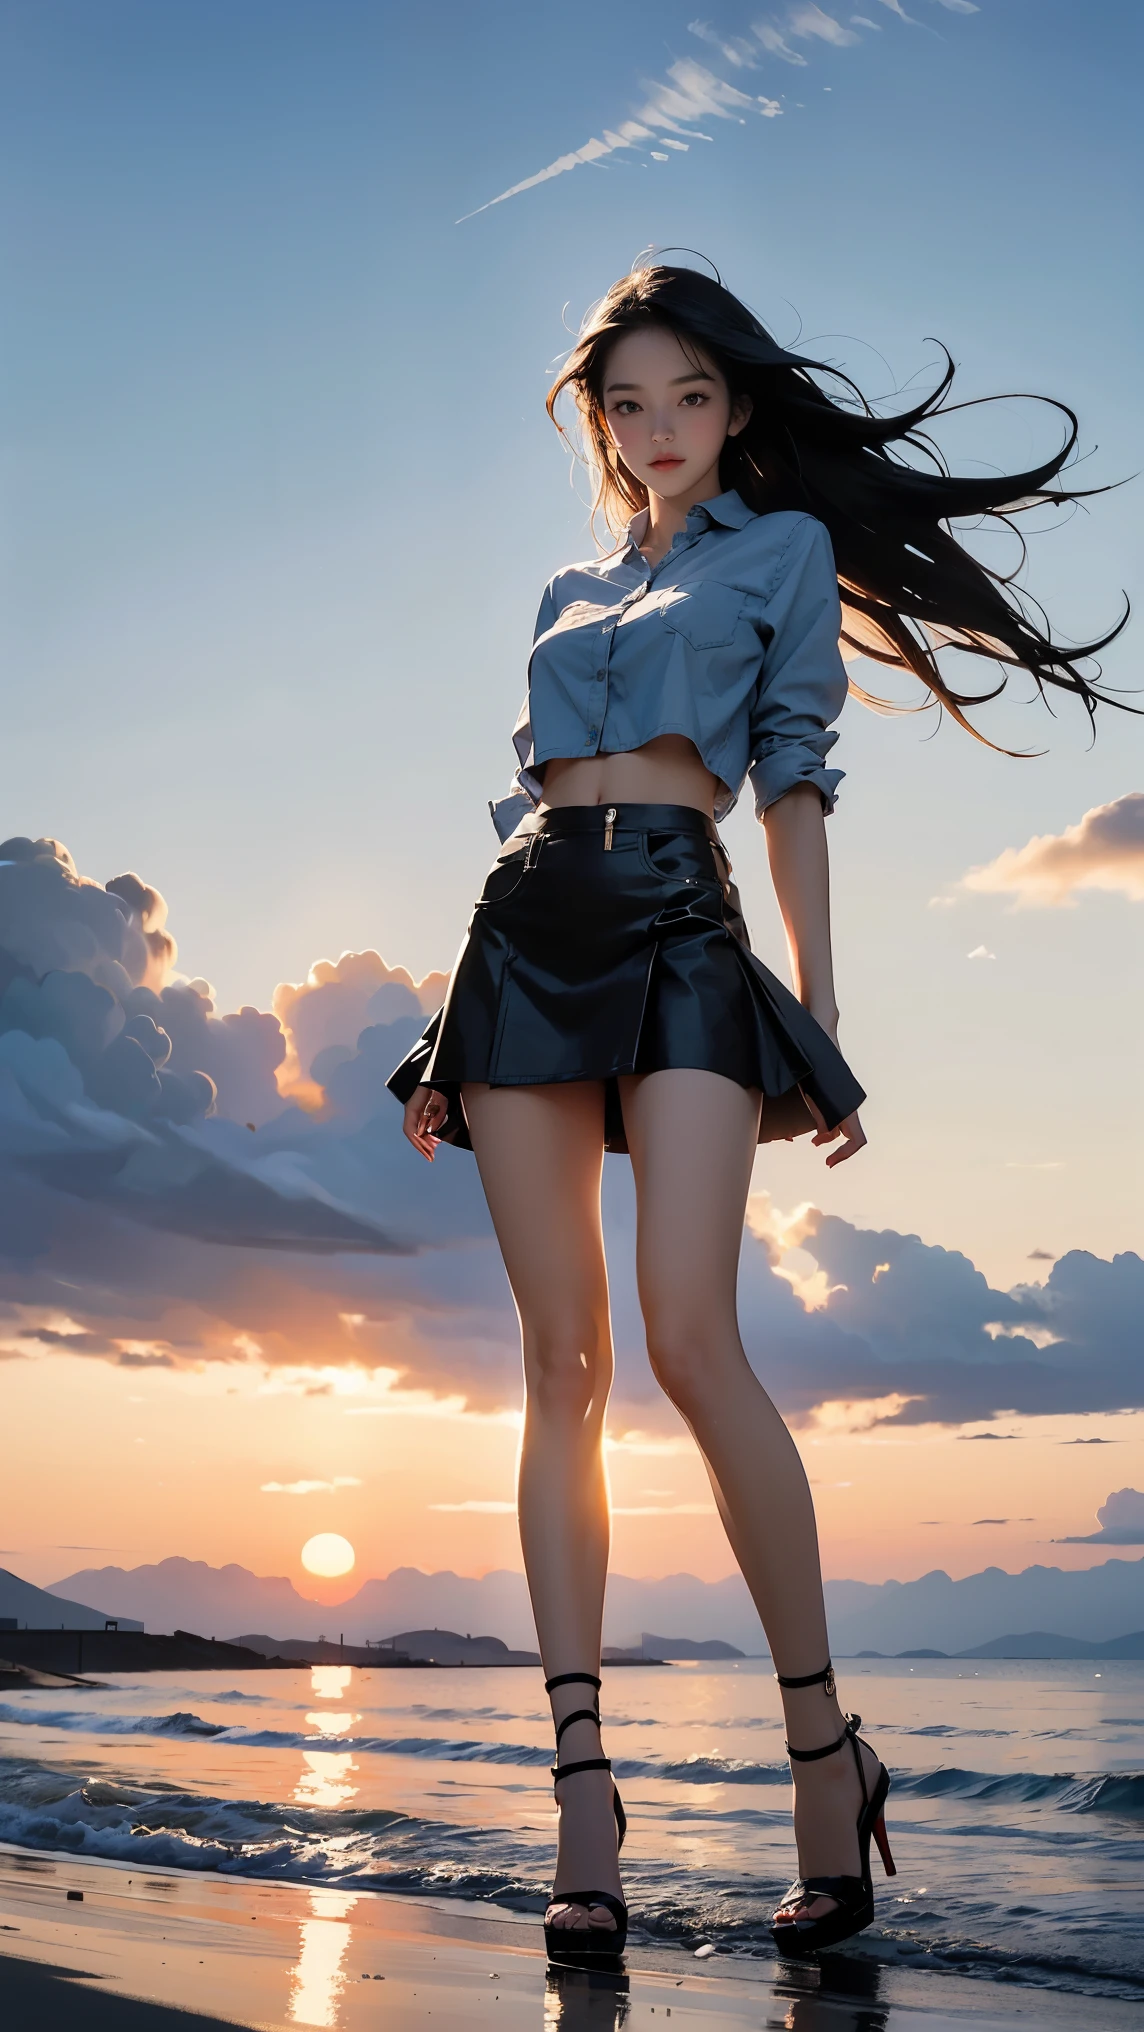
<point>526,790</point>
<point>800,871</point>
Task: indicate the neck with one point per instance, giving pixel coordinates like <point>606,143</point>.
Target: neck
<point>666,516</point>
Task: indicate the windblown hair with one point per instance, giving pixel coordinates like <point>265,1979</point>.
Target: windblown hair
<point>879,484</point>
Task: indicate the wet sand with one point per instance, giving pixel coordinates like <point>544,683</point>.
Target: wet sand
<point>171,1951</point>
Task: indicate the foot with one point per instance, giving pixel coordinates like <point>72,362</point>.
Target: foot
<point>586,1856</point>
<point>827,1805</point>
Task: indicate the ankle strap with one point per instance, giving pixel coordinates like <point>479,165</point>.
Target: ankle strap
<point>578,1714</point>
<point>825,1679</point>
<point>849,1735</point>
<point>560,1771</point>
<point>573,1679</point>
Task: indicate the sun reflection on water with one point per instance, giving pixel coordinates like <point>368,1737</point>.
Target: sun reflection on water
<point>324,1782</point>
<point>331,1724</point>
<point>329,1682</point>
<point>318,1975</point>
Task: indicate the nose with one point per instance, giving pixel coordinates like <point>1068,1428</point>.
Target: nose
<point>662,433</point>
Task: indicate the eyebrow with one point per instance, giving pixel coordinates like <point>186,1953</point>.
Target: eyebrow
<point>610,387</point>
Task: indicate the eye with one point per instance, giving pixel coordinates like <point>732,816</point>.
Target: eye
<point>626,407</point>
<point>695,397</point>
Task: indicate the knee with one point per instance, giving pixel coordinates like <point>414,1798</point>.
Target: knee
<point>685,1353</point>
<point>567,1370</point>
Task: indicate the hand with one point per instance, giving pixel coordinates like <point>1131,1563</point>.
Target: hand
<point>850,1130</point>
<point>425,1112</point>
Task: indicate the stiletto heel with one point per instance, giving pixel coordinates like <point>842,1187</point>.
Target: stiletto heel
<point>853,1896</point>
<point>586,1945</point>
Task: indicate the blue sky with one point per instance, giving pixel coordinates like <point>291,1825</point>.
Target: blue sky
<point>279,497</point>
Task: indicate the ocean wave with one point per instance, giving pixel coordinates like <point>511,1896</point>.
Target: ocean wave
<point>49,1808</point>
<point>1120,1793</point>
<point>87,1722</point>
<point>1100,1792</point>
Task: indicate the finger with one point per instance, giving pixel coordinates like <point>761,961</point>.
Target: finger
<point>822,1133</point>
<point>855,1141</point>
<point>415,1132</point>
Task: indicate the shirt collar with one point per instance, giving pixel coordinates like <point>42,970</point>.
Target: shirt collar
<point>729,510</point>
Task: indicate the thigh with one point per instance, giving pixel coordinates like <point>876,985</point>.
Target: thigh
<point>540,1153</point>
<point>692,1137</point>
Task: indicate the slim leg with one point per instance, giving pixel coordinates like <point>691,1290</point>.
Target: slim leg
<point>693,1139</point>
<point>540,1153</point>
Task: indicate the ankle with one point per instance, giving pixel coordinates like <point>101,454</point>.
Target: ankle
<point>813,1718</point>
<point>579,1697</point>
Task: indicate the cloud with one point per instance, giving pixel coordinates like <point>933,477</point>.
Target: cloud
<point>478,1509</point>
<point>322,1017</point>
<point>980,952</point>
<point>310,1488</point>
<point>735,49</point>
<point>960,6</point>
<point>690,92</point>
<point>107,1071</point>
<point>915,1333</point>
<point>1121,1521</point>
<point>775,45</point>
<point>1105,850</point>
<point>806,20</point>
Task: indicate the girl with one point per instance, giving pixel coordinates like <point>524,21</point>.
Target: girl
<point>606,996</point>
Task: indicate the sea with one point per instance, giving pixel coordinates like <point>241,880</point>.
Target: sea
<point>1016,1814</point>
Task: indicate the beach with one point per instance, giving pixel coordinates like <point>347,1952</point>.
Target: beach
<point>256,1847</point>
<point>153,1953</point>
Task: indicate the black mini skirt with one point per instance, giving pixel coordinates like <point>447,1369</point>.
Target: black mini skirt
<point>609,939</point>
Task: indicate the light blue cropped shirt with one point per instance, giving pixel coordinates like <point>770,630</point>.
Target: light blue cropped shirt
<point>731,640</point>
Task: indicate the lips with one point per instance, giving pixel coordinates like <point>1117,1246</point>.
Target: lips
<point>662,465</point>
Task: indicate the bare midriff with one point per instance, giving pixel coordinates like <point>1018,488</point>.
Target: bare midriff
<point>668,770</point>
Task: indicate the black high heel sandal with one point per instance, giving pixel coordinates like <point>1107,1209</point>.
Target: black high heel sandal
<point>854,1896</point>
<point>586,1946</point>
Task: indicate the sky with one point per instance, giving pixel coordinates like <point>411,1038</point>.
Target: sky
<point>284,291</point>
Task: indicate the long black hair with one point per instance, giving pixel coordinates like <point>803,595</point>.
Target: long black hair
<point>879,483</point>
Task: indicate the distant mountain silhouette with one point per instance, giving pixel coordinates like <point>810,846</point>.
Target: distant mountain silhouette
<point>1092,1604</point>
<point>652,1647</point>
<point>1046,1644</point>
<point>35,1608</point>
<point>448,1647</point>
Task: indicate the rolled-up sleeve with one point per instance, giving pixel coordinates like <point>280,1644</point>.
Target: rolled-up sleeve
<point>802,684</point>
<point>523,794</point>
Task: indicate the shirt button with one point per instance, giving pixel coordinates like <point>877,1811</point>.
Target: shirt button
<point>592,732</point>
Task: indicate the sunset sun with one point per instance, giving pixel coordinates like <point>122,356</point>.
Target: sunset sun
<point>328,1555</point>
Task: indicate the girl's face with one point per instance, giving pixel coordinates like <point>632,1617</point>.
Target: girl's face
<point>669,412</point>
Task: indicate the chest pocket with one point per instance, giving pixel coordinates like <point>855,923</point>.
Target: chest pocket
<point>706,615</point>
